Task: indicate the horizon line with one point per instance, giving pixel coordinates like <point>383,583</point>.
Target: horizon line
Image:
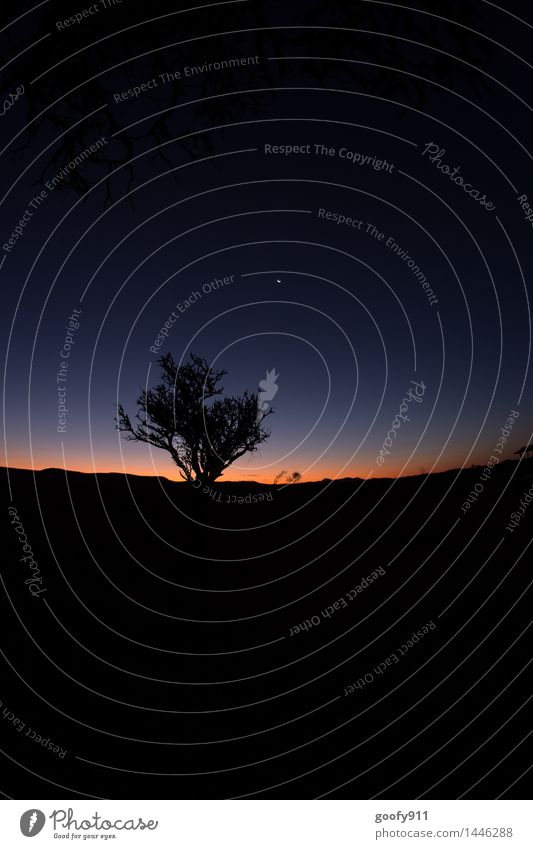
<point>243,480</point>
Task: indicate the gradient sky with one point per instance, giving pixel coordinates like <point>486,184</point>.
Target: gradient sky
<point>347,328</point>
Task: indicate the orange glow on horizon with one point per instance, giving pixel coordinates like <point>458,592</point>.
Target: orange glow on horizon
<point>167,470</point>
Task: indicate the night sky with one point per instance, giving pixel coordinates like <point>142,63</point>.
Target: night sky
<point>194,184</point>
<point>332,203</point>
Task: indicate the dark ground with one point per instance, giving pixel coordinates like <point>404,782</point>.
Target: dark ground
<point>159,655</point>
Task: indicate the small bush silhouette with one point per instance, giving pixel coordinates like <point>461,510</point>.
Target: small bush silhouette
<point>289,477</point>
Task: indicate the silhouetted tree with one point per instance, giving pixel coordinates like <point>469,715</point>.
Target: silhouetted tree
<point>202,438</point>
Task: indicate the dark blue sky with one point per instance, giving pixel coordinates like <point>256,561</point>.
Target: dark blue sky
<point>349,327</point>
